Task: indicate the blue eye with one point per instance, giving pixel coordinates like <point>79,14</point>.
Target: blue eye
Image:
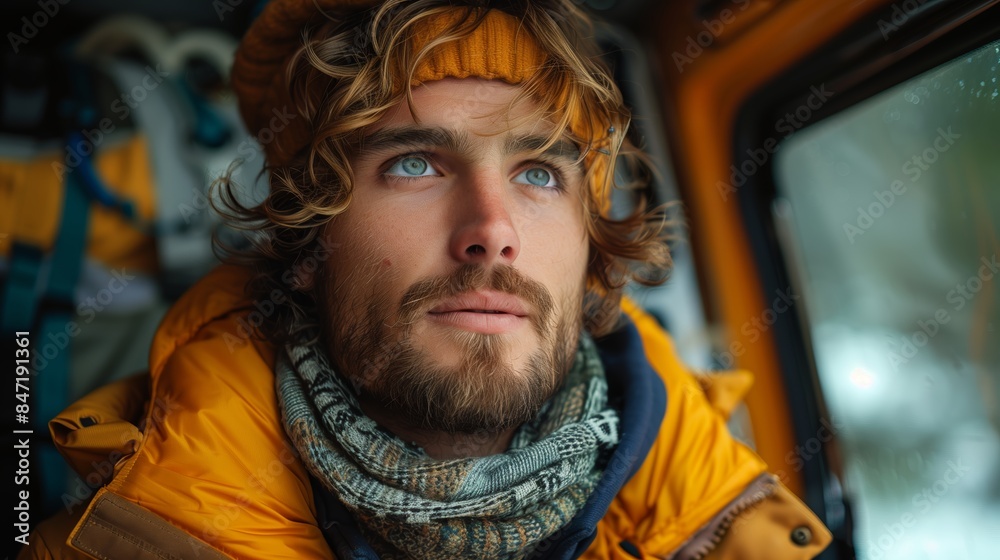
<point>537,177</point>
<point>412,166</point>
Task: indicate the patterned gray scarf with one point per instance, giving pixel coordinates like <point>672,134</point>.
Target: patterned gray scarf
<point>411,506</point>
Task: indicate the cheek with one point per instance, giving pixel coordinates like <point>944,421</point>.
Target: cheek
<point>399,235</point>
<point>361,267</point>
<point>373,237</point>
<point>558,259</point>
<point>564,239</point>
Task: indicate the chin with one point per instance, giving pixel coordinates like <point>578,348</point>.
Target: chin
<point>458,348</point>
<point>465,384</point>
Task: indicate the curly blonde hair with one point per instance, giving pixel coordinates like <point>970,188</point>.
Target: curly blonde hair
<point>354,65</point>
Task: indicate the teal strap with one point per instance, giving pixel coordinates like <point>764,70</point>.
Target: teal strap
<point>53,380</point>
<point>67,260</point>
<point>20,299</point>
<point>55,475</point>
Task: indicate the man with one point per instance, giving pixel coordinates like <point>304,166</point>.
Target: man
<point>427,354</point>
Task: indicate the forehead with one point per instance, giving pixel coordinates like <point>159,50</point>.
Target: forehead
<point>480,107</point>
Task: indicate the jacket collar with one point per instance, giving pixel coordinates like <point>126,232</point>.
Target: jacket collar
<point>640,396</point>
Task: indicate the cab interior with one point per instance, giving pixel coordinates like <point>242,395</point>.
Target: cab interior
<point>832,165</point>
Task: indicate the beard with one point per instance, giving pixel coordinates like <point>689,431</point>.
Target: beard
<point>371,343</point>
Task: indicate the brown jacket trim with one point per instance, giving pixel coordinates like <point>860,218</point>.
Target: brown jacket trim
<point>709,537</point>
<point>765,522</point>
<point>114,527</point>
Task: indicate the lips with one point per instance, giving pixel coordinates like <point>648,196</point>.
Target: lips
<point>482,312</point>
<point>482,302</point>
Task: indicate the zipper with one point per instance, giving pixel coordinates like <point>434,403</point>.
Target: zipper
<point>708,538</point>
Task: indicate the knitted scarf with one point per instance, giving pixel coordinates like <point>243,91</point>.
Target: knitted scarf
<point>411,506</point>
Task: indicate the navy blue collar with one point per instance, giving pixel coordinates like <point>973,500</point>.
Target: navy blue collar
<point>640,396</point>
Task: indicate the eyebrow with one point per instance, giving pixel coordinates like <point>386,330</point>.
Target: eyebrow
<point>418,137</point>
<point>561,149</point>
<point>414,137</point>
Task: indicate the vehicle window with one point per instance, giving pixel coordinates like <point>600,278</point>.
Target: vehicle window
<point>891,217</point>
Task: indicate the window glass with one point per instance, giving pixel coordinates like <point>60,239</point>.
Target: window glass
<point>889,214</point>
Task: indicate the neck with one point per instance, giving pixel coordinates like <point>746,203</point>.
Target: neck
<point>442,445</point>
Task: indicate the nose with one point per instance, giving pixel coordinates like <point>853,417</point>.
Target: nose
<point>484,231</point>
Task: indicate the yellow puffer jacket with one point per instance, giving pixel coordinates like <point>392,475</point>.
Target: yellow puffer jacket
<point>192,461</point>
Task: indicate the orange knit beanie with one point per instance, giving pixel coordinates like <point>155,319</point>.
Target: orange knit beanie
<point>499,48</point>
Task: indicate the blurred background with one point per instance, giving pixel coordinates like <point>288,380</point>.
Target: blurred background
<point>891,209</point>
<point>836,168</point>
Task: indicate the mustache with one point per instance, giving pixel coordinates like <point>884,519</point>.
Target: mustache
<point>423,294</point>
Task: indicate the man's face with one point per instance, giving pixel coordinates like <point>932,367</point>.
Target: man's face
<point>454,300</point>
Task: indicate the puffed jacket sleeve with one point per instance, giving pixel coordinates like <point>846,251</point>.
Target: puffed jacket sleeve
<point>700,493</point>
<point>767,522</point>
